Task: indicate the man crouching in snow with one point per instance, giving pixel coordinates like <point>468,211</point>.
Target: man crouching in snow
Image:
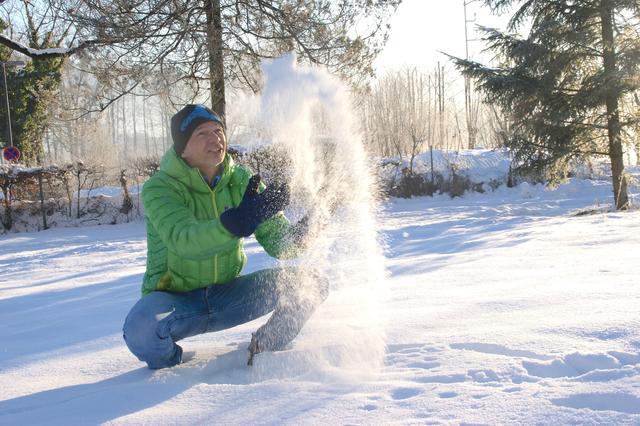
<point>198,208</point>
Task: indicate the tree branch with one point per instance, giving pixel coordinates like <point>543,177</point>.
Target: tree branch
<point>55,52</point>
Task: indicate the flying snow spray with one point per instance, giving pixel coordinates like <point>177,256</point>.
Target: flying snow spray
<point>306,114</point>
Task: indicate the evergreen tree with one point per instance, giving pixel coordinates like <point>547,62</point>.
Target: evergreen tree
<point>564,82</point>
<point>5,55</point>
<point>31,90</point>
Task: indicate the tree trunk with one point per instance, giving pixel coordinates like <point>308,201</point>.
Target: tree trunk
<point>166,130</point>
<point>414,152</point>
<point>135,134</point>
<point>216,63</point>
<point>637,146</point>
<point>124,128</point>
<point>440,97</point>
<point>163,126</point>
<point>613,111</point>
<point>112,123</point>
<point>47,138</point>
<point>146,130</point>
<point>77,174</point>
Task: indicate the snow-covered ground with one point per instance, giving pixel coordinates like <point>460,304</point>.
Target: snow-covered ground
<point>502,308</point>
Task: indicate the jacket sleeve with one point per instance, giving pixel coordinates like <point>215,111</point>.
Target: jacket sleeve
<point>177,226</point>
<point>273,236</point>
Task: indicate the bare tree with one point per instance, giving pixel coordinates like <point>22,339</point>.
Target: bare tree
<point>206,43</point>
<point>410,109</point>
<point>198,45</point>
<point>417,112</point>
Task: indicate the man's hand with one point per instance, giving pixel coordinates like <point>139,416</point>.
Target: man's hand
<point>255,208</point>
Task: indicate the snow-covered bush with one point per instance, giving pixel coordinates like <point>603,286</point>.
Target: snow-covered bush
<point>450,172</point>
<point>78,194</point>
<point>36,198</point>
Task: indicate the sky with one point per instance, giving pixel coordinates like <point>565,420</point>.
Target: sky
<point>422,28</point>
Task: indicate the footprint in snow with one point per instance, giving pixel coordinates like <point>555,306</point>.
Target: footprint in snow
<point>446,378</point>
<point>586,367</point>
<point>411,348</point>
<point>404,348</point>
<point>609,333</point>
<point>483,376</point>
<point>425,365</point>
<point>621,402</point>
<point>480,396</point>
<point>448,394</point>
<point>493,349</point>
<point>489,377</point>
<point>405,393</point>
<point>411,356</point>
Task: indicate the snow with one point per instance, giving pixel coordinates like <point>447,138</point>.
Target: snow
<point>34,53</point>
<point>502,308</point>
<point>109,191</point>
<point>480,165</point>
<point>485,169</point>
<point>516,306</point>
<point>61,51</point>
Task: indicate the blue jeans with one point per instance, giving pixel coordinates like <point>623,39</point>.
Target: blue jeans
<point>160,319</point>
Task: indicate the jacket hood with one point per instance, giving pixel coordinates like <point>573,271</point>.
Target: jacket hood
<point>175,167</point>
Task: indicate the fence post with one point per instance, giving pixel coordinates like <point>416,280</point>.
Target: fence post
<point>44,214</point>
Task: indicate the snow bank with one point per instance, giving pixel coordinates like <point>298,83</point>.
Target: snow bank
<point>99,209</point>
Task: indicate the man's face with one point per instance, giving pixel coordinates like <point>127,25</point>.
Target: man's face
<point>206,146</point>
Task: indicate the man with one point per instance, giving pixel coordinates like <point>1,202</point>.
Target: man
<point>198,208</point>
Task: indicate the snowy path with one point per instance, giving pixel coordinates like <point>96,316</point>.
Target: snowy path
<point>501,308</point>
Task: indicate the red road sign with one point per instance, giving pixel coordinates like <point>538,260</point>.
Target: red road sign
<point>11,154</point>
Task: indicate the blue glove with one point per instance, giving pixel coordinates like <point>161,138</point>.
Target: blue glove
<point>255,208</point>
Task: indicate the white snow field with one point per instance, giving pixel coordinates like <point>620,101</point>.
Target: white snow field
<point>501,308</point>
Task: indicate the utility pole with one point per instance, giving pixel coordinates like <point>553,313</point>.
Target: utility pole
<point>6,94</point>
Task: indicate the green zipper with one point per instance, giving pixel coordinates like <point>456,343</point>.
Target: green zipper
<point>215,256</point>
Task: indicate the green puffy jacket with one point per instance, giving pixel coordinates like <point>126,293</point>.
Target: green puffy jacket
<point>187,246</point>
